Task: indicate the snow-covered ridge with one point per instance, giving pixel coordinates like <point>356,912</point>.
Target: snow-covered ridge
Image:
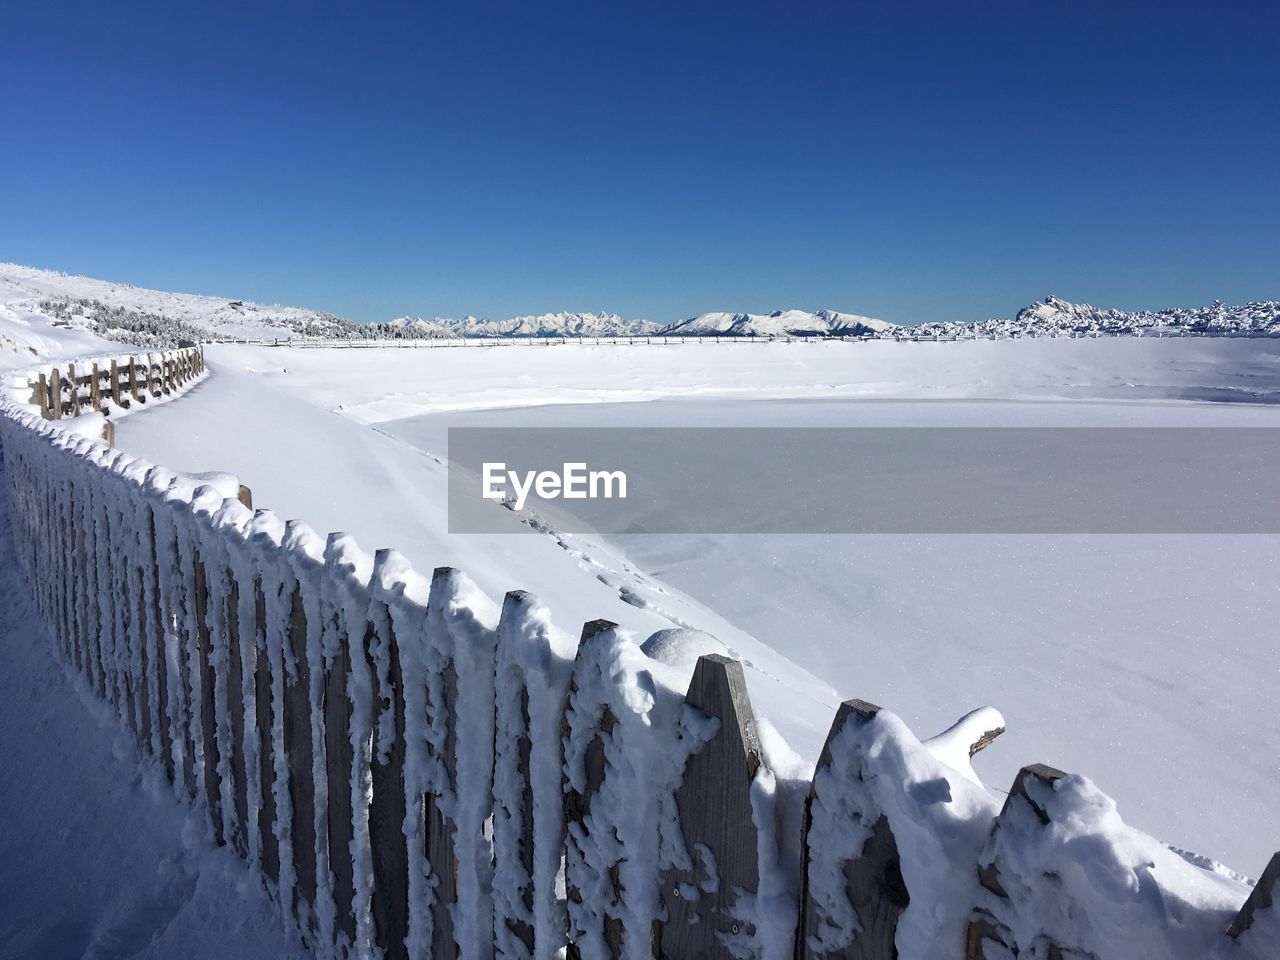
<point>563,324</point>
<point>1055,317</point>
<point>780,323</point>
<point>154,319</point>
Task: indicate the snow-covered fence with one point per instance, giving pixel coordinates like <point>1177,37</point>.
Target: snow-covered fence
<point>419,773</point>
<point>108,386</point>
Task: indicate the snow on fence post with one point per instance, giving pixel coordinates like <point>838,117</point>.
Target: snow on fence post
<point>387,839</point>
<point>870,882</point>
<point>457,677</point>
<point>531,684</point>
<point>168,605</point>
<point>217,524</point>
<point>593,932</point>
<point>714,806</point>
<point>348,725</point>
<point>991,931</point>
<point>150,631</point>
<point>303,679</point>
<point>263,535</point>
<point>204,669</point>
<point>1262,903</point>
<point>626,737</point>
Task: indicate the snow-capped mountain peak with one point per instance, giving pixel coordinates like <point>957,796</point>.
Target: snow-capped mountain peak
<point>793,323</point>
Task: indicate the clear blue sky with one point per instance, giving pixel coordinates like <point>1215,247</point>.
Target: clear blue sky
<point>908,161</point>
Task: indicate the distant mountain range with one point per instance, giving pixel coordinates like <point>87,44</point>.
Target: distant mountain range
<point>794,323</point>
<point>151,318</point>
<point>1054,317</point>
<point>545,325</point>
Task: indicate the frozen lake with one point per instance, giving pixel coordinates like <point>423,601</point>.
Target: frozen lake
<point>1147,663</point>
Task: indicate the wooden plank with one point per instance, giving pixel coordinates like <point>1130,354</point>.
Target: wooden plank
<point>518,808</point>
<point>245,496</point>
<point>299,750</point>
<point>133,379</point>
<point>114,390</point>
<point>55,395</point>
<point>339,759</point>
<point>873,881</point>
<point>990,936</point>
<point>131,621</point>
<point>235,711</point>
<point>441,852</point>
<point>42,397</point>
<point>208,704</point>
<point>265,719</point>
<point>1262,899</point>
<point>577,808</point>
<point>714,803</point>
<point>73,385</point>
<point>151,572</point>
<point>95,390</point>
<point>387,805</point>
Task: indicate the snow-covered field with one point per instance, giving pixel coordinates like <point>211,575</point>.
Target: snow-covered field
<point>1145,663</point>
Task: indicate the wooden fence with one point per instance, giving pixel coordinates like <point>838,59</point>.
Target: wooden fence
<point>419,773</point>
<point>411,343</point>
<point>112,384</point>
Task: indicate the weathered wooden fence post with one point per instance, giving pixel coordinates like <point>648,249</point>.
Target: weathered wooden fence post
<point>458,645</point>
<point>577,808</point>
<point>339,756</point>
<point>714,803</point>
<point>42,397</point>
<point>387,807</point>
<point>531,685</point>
<point>133,379</point>
<point>115,384</point>
<point>990,934</point>
<point>55,395</point>
<point>95,389</point>
<point>299,750</point>
<point>265,720</point>
<point>872,880</point>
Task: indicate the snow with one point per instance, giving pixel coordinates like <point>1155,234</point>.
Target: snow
<point>1119,660</point>
<point>939,821</point>
<point>1050,630</point>
<point>1089,883</point>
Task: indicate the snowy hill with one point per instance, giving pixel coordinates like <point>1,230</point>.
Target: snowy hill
<point>154,317</point>
<point>780,323</point>
<point>1054,316</point>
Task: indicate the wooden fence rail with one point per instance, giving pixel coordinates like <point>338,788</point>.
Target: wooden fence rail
<point>418,773</point>
<point>113,384</point>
